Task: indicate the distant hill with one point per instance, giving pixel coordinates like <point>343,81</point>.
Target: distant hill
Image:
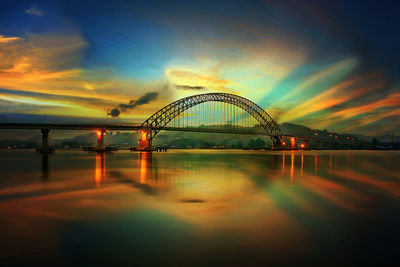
<point>296,129</point>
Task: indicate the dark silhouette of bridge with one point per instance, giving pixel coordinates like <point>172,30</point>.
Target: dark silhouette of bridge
<point>211,113</point>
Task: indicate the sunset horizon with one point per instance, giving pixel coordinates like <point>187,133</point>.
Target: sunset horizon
<point>56,61</point>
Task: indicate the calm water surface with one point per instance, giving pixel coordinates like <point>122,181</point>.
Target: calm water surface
<point>200,207</point>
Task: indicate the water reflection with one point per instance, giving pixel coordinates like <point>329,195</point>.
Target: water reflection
<point>179,172</point>
<point>100,169</point>
<point>145,160</point>
<point>316,163</point>
<point>301,167</point>
<point>45,167</point>
<point>291,165</point>
<point>200,201</point>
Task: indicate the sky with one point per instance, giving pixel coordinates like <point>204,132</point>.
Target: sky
<point>324,64</point>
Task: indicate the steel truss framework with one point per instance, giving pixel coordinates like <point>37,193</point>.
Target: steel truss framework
<point>162,117</point>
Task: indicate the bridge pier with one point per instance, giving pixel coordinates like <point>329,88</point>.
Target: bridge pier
<point>45,138</point>
<point>144,141</point>
<point>277,143</point>
<point>305,144</point>
<point>45,148</point>
<point>100,140</point>
<point>329,146</point>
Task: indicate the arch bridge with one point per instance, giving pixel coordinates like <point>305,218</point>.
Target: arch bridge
<point>212,112</point>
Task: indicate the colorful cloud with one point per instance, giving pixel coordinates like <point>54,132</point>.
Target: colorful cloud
<point>304,63</point>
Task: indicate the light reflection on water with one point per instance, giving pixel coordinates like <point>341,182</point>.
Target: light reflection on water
<point>218,207</point>
<point>100,169</point>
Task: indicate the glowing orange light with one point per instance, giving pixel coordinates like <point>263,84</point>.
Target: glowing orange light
<point>302,145</point>
<point>143,159</point>
<point>283,143</point>
<point>143,141</point>
<point>100,169</point>
<point>291,167</point>
<point>301,169</point>
<point>330,135</point>
<point>143,135</point>
<point>292,142</point>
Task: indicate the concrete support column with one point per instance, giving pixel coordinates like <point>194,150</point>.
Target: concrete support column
<point>277,142</point>
<point>45,140</point>
<point>144,141</point>
<point>292,143</point>
<point>319,144</point>
<point>306,144</point>
<point>100,138</point>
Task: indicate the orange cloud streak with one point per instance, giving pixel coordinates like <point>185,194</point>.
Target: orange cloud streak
<point>50,64</point>
<point>333,96</point>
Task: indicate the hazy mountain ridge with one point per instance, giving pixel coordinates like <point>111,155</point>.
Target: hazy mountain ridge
<point>300,130</point>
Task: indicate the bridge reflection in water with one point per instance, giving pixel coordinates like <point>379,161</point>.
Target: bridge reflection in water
<point>151,171</point>
<point>177,174</point>
<point>145,159</point>
<point>165,171</point>
<point>293,156</point>
<point>100,169</point>
<point>144,167</point>
<point>45,166</point>
<point>116,207</point>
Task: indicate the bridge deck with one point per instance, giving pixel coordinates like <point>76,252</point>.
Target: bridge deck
<point>70,126</point>
<point>122,127</point>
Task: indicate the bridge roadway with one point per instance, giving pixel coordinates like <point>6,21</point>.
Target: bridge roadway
<point>70,126</point>
<point>319,139</point>
<point>120,127</point>
<point>125,127</point>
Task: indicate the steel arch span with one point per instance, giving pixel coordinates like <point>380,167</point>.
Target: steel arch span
<point>162,117</point>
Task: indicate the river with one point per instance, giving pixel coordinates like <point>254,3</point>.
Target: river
<point>200,207</point>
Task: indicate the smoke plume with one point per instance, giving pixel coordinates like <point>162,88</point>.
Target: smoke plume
<point>115,112</point>
<point>188,87</point>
